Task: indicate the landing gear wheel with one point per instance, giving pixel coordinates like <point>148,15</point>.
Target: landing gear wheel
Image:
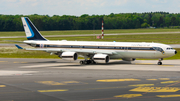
<point>85,62</point>
<point>159,63</point>
<point>81,62</point>
<point>93,62</point>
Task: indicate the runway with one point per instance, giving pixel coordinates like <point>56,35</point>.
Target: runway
<point>58,80</point>
<point>107,34</point>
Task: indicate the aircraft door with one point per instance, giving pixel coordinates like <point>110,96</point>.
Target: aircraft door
<point>41,45</point>
<point>126,48</point>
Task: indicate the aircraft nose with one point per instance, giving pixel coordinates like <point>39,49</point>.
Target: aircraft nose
<point>175,52</point>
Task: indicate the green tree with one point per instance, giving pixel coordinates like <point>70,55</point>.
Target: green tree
<point>144,25</point>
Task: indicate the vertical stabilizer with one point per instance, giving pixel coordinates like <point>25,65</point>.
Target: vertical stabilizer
<point>31,31</point>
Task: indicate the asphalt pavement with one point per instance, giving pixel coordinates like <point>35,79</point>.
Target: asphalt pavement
<point>58,80</point>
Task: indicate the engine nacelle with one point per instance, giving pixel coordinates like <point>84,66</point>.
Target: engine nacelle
<point>71,56</point>
<point>129,59</point>
<point>101,58</point>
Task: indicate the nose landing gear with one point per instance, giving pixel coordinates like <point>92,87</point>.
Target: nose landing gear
<point>160,63</point>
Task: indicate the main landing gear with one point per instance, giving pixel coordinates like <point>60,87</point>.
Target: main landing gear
<point>160,63</point>
<point>85,62</point>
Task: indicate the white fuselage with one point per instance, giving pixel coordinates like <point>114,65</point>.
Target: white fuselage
<point>120,49</point>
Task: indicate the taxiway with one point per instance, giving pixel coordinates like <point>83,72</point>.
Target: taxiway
<point>58,80</point>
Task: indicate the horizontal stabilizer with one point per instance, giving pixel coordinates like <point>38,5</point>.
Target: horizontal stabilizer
<point>19,47</point>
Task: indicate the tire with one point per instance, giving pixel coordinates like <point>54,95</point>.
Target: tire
<point>85,62</point>
<point>94,62</point>
<point>89,61</point>
<point>81,62</point>
<point>159,63</point>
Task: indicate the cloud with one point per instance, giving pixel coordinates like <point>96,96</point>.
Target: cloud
<point>160,1</point>
<point>79,7</point>
<point>119,2</point>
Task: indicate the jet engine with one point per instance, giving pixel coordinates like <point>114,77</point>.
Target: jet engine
<point>101,58</point>
<point>129,59</point>
<point>71,56</point>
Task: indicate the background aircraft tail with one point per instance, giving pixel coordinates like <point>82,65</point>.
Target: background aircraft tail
<point>31,31</point>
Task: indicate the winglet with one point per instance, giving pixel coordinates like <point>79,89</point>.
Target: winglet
<point>19,47</point>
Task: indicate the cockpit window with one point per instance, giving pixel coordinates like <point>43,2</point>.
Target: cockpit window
<point>169,48</point>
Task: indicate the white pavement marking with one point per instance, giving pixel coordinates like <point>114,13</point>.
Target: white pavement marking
<point>142,65</point>
<point>46,65</point>
<point>6,72</point>
<point>124,67</point>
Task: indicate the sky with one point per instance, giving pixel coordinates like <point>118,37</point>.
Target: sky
<point>91,7</point>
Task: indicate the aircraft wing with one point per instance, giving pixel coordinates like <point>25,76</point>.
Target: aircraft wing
<point>68,50</point>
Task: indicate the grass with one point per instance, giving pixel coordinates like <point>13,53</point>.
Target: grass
<point>157,38</point>
<point>13,52</point>
<point>72,32</point>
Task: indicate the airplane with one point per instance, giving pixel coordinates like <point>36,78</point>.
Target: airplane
<point>92,51</point>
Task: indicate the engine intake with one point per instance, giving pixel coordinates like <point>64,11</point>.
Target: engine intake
<point>69,56</point>
<point>101,58</point>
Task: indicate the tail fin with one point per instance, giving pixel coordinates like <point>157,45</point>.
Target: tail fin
<point>31,31</point>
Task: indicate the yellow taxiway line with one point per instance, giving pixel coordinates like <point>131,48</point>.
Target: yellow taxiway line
<point>142,85</point>
<point>156,89</point>
<point>169,82</point>
<point>55,90</point>
<point>166,96</point>
<point>2,85</point>
<point>117,80</point>
<point>128,95</point>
